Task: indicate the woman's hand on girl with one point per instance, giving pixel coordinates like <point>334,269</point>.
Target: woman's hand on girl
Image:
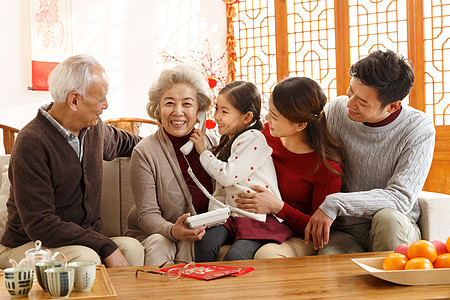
<point>261,202</point>
<point>198,138</point>
<point>182,233</point>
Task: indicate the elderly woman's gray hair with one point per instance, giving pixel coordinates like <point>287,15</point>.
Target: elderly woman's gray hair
<point>182,73</point>
<point>72,75</point>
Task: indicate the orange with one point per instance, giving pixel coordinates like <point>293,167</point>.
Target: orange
<point>423,249</point>
<point>448,244</point>
<point>442,261</point>
<point>395,261</point>
<point>418,263</point>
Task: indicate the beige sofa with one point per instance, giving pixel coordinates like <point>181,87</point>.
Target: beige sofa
<point>117,201</point>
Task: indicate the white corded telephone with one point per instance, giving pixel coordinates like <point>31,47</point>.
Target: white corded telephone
<point>212,218</point>
<point>217,216</point>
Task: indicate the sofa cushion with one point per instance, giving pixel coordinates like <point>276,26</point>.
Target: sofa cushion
<point>117,199</point>
<point>434,220</point>
<point>110,203</point>
<point>4,193</point>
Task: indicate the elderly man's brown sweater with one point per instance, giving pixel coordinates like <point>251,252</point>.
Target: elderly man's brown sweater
<point>54,197</point>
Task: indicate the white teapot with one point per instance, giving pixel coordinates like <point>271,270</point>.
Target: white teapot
<point>34,255</point>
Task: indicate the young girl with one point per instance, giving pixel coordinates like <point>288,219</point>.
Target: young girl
<point>241,160</point>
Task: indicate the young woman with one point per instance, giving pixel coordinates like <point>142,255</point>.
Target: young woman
<point>307,159</point>
<point>241,160</point>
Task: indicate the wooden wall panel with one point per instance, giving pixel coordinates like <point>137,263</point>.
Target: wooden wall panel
<point>439,177</point>
<point>282,41</point>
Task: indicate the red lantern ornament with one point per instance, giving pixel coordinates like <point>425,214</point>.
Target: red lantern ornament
<point>210,124</point>
<point>212,82</point>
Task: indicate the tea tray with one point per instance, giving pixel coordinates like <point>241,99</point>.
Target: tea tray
<point>102,289</point>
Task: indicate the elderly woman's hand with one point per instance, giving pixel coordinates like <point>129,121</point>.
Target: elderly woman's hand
<point>181,232</point>
<point>198,138</point>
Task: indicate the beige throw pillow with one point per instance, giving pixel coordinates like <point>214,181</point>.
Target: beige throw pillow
<point>4,193</point>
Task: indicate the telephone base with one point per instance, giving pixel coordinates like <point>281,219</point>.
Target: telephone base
<point>209,219</point>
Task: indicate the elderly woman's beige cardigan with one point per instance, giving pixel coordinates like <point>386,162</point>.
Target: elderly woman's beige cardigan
<point>159,189</point>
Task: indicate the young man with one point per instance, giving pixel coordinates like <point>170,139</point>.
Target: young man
<point>388,149</point>
<point>56,172</point>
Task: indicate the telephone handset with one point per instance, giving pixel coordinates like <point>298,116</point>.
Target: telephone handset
<point>201,118</point>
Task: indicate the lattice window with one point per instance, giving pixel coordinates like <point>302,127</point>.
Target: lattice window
<point>377,25</point>
<point>324,37</point>
<point>255,35</point>
<point>311,42</point>
<point>437,62</point>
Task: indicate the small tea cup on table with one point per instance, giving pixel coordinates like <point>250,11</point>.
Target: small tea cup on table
<point>59,281</point>
<point>40,270</point>
<point>18,281</point>
<point>85,272</point>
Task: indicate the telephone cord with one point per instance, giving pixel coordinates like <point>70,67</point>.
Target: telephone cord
<point>211,197</point>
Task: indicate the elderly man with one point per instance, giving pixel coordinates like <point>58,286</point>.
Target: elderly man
<point>388,149</point>
<point>56,172</point>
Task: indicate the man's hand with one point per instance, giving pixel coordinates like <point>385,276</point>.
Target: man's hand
<point>181,232</point>
<point>116,259</point>
<point>319,228</point>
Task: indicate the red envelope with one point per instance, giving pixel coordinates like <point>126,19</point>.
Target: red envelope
<point>209,272</point>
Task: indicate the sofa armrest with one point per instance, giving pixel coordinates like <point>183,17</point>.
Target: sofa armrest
<point>434,221</point>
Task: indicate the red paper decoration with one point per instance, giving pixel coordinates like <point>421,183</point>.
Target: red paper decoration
<point>39,74</point>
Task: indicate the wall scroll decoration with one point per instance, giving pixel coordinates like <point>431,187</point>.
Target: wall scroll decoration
<point>51,38</point>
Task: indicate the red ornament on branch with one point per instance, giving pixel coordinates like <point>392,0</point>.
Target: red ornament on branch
<point>210,124</point>
<point>212,82</point>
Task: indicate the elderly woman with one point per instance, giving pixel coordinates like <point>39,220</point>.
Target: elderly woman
<point>164,194</point>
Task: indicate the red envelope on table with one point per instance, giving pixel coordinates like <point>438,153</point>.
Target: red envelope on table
<point>209,272</point>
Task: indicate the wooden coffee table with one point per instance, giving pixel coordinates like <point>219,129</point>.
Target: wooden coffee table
<point>311,277</point>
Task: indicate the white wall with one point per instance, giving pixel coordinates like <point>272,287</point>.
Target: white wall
<point>124,35</point>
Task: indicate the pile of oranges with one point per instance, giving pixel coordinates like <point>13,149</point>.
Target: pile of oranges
<point>419,255</point>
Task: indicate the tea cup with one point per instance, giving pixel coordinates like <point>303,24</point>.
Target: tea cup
<point>18,281</point>
<point>59,281</point>
<point>40,270</point>
<point>85,272</point>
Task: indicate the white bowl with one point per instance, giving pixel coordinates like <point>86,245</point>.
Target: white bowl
<point>406,277</point>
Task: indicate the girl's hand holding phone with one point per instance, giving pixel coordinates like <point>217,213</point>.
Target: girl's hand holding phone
<point>198,138</point>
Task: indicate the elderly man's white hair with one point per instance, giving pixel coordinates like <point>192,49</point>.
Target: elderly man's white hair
<point>72,75</point>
